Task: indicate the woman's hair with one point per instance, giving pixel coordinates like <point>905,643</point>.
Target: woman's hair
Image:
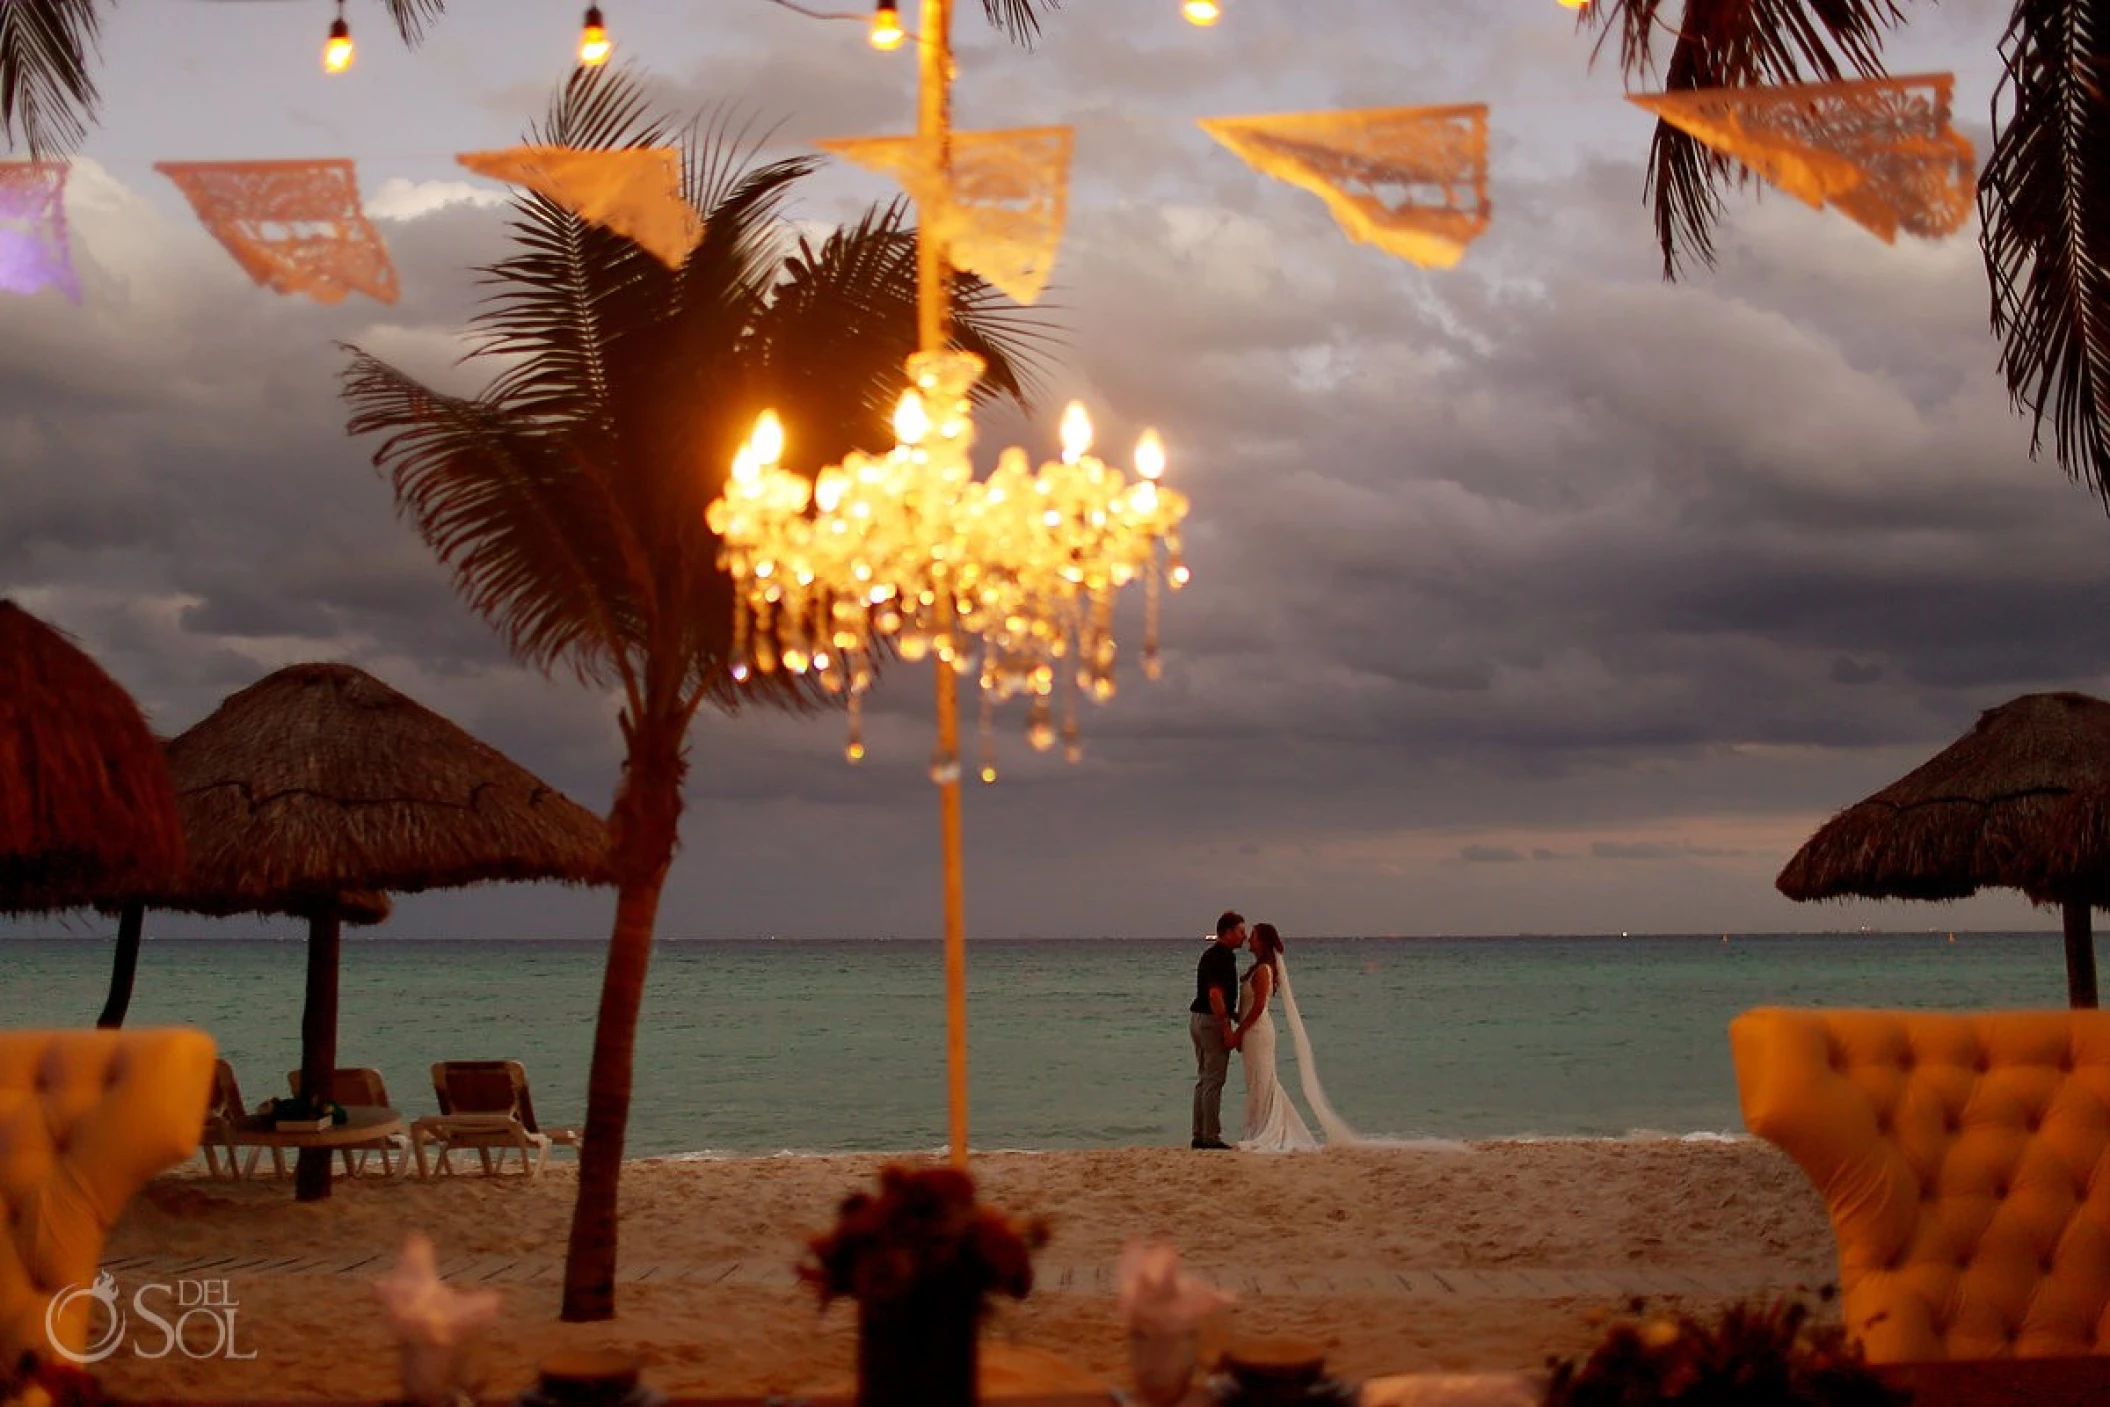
<point>1266,943</point>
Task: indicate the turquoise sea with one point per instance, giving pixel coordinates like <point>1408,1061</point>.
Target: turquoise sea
<point>762,1047</point>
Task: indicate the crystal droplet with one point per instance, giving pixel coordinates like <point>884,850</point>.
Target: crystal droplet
<point>1040,728</point>
<point>1152,669</point>
<point>853,751</point>
<point>914,646</point>
<point>988,774</point>
<point>945,767</point>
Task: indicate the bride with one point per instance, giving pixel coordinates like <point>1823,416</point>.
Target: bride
<point>1272,1124</point>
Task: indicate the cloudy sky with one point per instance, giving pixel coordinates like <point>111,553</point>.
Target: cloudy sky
<point>1534,595</point>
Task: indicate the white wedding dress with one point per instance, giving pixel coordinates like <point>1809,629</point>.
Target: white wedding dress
<point>1272,1124</point>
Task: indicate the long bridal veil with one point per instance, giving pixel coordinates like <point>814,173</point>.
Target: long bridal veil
<point>1336,1128</point>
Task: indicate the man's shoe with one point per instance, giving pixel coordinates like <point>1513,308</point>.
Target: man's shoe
<point>1212,1143</point>
<point>1200,1143</point>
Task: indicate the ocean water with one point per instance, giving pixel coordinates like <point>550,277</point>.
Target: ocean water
<point>764,1047</point>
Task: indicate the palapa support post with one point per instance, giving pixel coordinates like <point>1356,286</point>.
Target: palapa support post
<point>2080,954</point>
<point>123,967</point>
<point>318,1045</point>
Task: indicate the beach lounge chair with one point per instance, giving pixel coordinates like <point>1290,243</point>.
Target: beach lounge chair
<point>1965,1162</point>
<point>359,1085</point>
<point>485,1107</point>
<point>90,1116</point>
<point>230,1127</point>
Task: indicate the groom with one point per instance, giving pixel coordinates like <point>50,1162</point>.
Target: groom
<point>1212,1023</point>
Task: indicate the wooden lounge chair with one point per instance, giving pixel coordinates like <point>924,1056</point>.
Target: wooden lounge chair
<point>360,1085</point>
<point>229,1127</point>
<point>1965,1161</point>
<point>485,1106</point>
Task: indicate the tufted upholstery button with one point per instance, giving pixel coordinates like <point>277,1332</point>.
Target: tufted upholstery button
<point>1949,1122</point>
<point>2044,1266</point>
<point>2033,1122</point>
<point>1835,1055</point>
<point>1981,1062</point>
<point>2000,1191</point>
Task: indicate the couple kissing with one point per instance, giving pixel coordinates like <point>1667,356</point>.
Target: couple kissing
<point>1233,1013</point>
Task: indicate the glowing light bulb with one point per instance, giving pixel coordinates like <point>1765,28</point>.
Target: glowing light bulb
<point>337,50</point>
<point>886,33</point>
<point>1203,13</point>
<point>594,45</point>
<point>1076,432</point>
<point>746,468</point>
<point>768,438</point>
<point>1150,456</point>
<point>911,421</point>
<point>829,488</point>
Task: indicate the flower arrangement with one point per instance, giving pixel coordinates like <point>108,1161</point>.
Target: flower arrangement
<point>921,1258</point>
<point>1754,1355</point>
<point>923,1227</point>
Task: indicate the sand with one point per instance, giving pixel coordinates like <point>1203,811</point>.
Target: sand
<point>1492,1256</point>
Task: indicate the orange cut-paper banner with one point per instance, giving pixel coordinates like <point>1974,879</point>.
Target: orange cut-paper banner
<point>634,191</point>
<point>293,226</point>
<point>1881,151</point>
<point>997,207</point>
<point>1410,180</point>
<point>34,251</point>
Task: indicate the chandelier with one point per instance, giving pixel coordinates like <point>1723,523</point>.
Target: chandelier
<point>1012,578</point>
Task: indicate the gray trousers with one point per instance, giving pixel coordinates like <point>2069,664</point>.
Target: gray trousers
<point>1212,1060</point>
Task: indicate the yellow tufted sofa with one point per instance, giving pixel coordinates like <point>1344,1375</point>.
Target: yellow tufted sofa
<point>86,1117</point>
<point>1965,1160</point>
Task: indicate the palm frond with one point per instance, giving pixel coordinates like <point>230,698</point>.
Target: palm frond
<point>845,316</point>
<point>410,16</point>
<point>1730,44</point>
<point>531,542</point>
<point>2044,202</point>
<point>47,93</point>
<point>1020,19</point>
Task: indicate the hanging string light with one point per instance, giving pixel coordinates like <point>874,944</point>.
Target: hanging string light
<point>594,46</point>
<point>886,33</point>
<point>337,49</point>
<point>1011,579</point>
<point>1207,12</point>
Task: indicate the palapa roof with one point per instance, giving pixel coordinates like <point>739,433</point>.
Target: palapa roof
<point>320,781</point>
<point>85,800</point>
<point>2022,801</point>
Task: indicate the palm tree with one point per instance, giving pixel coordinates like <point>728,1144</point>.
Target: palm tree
<point>48,95</point>
<point>568,498</point>
<point>2044,196</point>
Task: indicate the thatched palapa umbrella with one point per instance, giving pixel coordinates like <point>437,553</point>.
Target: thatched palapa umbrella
<point>85,801</point>
<point>2022,801</point>
<point>319,783</point>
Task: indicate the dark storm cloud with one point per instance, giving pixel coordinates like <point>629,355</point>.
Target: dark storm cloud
<point>1536,557</point>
